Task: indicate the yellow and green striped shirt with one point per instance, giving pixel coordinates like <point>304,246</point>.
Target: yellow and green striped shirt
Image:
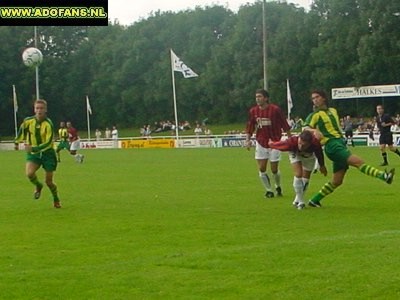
<point>38,134</point>
<point>63,134</point>
<point>327,122</point>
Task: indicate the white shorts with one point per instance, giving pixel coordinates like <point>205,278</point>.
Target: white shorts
<point>308,162</point>
<point>75,145</point>
<point>272,155</point>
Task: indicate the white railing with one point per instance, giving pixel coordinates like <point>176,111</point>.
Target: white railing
<point>192,141</point>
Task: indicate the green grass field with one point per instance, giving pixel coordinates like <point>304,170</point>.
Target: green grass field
<point>194,224</point>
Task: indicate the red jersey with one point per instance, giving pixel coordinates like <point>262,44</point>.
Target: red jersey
<point>291,144</point>
<point>268,124</point>
<point>72,134</point>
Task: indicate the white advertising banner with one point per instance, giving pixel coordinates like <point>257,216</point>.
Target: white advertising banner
<point>200,143</point>
<point>366,91</point>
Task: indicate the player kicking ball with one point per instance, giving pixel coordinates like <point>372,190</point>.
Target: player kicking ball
<point>325,125</point>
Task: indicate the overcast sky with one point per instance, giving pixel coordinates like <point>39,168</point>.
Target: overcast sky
<point>129,11</point>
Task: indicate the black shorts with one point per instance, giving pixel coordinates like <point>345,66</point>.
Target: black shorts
<point>348,133</point>
<point>386,139</point>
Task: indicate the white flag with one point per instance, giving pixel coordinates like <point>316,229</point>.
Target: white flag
<point>89,109</point>
<point>179,66</point>
<point>289,99</point>
<point>15,99</point>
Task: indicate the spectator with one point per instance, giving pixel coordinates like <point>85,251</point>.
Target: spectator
<point>198,130</point>
<point>158,127</point>
<point>147,130</point>
<point>108,133</point>
<point>114,136</point>
<point>186,125</point>
<point>98,135</point>
<point>114,133</point>
<point>167,125</point>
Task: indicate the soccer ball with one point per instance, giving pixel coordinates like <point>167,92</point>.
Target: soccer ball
<point>32,57</point>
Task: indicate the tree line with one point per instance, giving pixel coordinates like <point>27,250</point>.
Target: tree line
<point>126,70</point>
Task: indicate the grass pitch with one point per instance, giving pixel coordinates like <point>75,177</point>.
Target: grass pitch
<point>194,224</point>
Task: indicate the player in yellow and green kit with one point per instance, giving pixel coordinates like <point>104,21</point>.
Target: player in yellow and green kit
<point>324,122</point>
<point>63,140</point>
<point>37,134</point>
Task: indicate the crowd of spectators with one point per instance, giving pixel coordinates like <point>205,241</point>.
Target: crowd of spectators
<point>360,125</point>
<point>163,126</point>
<point>369,126</point>
<point>199,129</point>
<point>234,132</point>
<point>108,134</point>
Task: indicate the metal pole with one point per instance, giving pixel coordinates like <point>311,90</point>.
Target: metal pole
<point>88,117</point>
<point>175,105</point>
<point>37,67</point>
<point>264,45</point>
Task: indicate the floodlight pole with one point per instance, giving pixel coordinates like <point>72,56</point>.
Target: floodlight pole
<point>37,67</point>
<point>264,45</point>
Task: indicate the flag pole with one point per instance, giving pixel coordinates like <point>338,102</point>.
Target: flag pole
<point>15,110</point>
<point>289,98</point>
<point>264,22</point>
<point>175,106</point>
<point>87,116</point>
<point>37,67</point>
<point>179,66</point>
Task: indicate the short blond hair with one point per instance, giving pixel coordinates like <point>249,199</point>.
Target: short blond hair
<point>41,101</point>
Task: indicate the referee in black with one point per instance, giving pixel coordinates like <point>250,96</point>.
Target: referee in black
<point>385,122</point>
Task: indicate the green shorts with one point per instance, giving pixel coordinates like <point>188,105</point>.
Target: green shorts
<point>46,159</point>
<point>337,152</point>
<point>63,145</point>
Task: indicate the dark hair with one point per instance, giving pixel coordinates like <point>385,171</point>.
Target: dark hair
<point>262,92</point>
<point>321,93</point>
<point>306,136</point>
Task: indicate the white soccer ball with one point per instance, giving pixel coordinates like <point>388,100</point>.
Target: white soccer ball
<point>32,57</point>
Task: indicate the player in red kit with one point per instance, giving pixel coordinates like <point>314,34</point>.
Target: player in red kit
<point>304,150</point>
<point>268,122</point>
<point>74,142</point>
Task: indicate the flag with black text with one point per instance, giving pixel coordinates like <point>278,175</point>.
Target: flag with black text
<point>180,66</point>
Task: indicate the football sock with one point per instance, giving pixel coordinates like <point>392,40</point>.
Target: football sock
<point>53,190</point>
<point>36,182</point>
<point>397,152</point>
<point>277,178</point>
<point>298,188</point>
<point>305,183</point>
<point>327,189</point>
<point>265,180</point>
<point>384,156</point>
<point>371,171</point>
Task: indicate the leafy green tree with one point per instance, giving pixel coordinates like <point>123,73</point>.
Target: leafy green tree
<point>126,70</point>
